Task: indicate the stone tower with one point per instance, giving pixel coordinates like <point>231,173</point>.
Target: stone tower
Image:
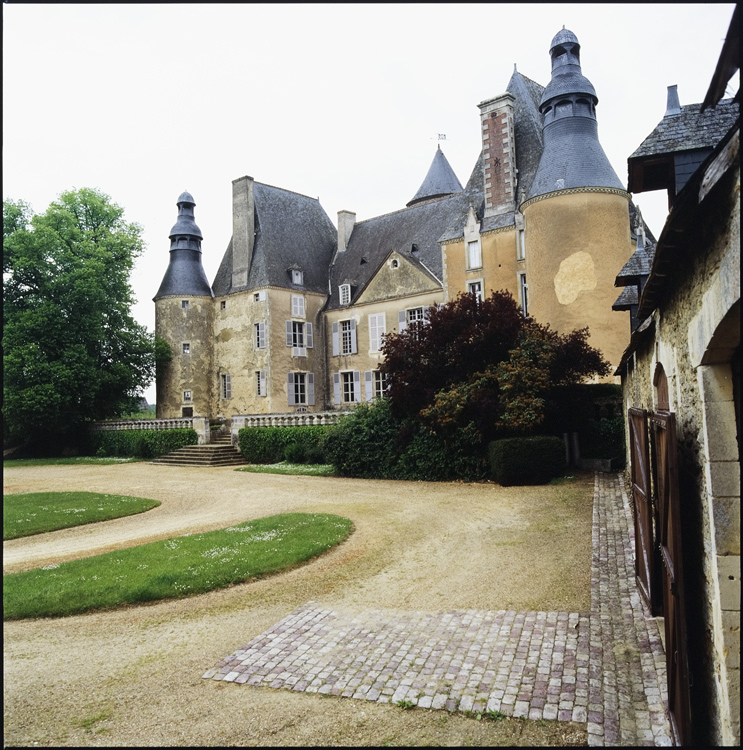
<point>183,317</point>
<point>576,212</point>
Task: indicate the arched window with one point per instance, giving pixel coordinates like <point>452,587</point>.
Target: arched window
<point>564,108</point>
<point>583,108</point>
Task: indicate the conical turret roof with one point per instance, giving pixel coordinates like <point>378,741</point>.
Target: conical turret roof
<point>439,181</point>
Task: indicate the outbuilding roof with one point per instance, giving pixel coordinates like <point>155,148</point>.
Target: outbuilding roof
<point>439,181</point>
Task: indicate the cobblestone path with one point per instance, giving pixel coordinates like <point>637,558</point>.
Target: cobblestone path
<point>605,668</point>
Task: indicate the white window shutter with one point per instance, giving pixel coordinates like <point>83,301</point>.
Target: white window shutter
<point>289,336</point>
<point>294,305</point>
<point>356,386</point>
<point>262,382</point>
<point>336,341</point>
<point>261,335</point>
<point>336,387</point>
<point>308,335</point>
<point>368,385</point>
<point>290,388</point>
<point>402,321</point>
<point>353,336</point>
<point>310,389</point>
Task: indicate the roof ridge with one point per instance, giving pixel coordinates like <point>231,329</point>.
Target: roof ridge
<point>284,190</point>
<point>410,208</point>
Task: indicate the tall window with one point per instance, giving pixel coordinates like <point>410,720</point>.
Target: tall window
<point>344,290</point>
<point>474,254</point>
<point>260,335</point>
<point>344,337</point>
<point>297,306</point>
<point>301,388</point>
<point>475,287</point>
<point>299,337</point>
<point>379,384</point>
<point>346,341</point>
<point>297,277</point>
<point>226,386</point>
<point>187,348</point>
<point>297,334</point>
<point>520,247</point>
<point>524,293</point>
<point>187,395</point>
<point>415,315</point>
<point>349,392</point>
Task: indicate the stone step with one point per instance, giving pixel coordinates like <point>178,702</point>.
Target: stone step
<point>219,454</point>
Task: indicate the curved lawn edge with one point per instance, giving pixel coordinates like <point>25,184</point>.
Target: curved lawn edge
<point>31,513</point>
<point>173,568</point>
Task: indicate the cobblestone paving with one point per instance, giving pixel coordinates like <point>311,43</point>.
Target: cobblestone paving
<point>605,668</point>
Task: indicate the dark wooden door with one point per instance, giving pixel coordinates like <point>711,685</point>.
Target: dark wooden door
<point>647,557</point>
<point>663,427</point>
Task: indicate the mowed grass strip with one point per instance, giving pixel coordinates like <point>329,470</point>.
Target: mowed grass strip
<point>306,470</point>
<point>23,463</point>
<point>38,512</point>
<point>175,568</point>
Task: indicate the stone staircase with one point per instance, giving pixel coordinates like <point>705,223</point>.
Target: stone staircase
<point>220,452</point>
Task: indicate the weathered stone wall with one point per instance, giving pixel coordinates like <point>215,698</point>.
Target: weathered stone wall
<point>187,371</point>
<point>576,244</point>
<point>698,319</point>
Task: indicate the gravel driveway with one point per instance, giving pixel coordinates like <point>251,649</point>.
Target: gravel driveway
<point>133,676</point>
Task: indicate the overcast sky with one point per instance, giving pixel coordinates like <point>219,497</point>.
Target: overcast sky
<point>340,102</point>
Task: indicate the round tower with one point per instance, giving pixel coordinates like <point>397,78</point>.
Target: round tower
<point>577,232</point>
<point>183,318</point>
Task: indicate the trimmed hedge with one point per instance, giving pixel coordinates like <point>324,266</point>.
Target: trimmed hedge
<point>528,460</point>
<point>268,445</point>
<point>140,443</point>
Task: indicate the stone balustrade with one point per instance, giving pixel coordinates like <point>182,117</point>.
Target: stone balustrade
<point>294,419</point>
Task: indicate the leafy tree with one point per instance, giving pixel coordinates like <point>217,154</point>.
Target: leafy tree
<point>481,366</point>
<point>71,350</point>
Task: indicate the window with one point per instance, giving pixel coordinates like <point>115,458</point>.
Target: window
<point>415,314</point>
<point>223,304</point>
<point>186,348</point>
<point>260,335</point>
<point>186,396</point>
<point>344,337</point>
<point>184,303</point>
<point>187,411</point>
<point>520,247</point>
<point>394,263</point>
<point>376,331</point>
<point>301,388</point>
<point>259,296</point>
<point>299,337</point>
<point>344,291</point>
<point>347,387</point>
<point>297,306</point>
<point>474,256</point>
<point>226,386</point>
<point>524,293</point>
<point>261,383</point>
<point>475,287</point>
<point>297,277</point>
<point>375,384</point>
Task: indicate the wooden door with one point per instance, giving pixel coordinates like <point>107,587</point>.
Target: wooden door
<point>672,577</point>
<point>647,556</point>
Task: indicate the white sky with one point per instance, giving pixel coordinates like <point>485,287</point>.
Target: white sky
<point>340,102</point>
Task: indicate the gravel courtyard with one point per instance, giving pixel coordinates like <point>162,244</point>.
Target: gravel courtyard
<point>134,676</point>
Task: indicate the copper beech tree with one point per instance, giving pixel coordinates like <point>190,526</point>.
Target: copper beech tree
<point>480,365</point>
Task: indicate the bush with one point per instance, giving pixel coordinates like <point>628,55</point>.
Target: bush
<point>295,453</point>
<point>139,443</point>
<point>532,460</point>
<point>267,445</point>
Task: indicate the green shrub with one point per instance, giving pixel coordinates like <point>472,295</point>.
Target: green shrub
<point>603,438</point>
<point>531,460</point>
<point>140,443</point>
<point>267,445</point>
<point>295,453</point>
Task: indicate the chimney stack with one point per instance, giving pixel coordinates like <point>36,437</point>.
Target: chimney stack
<point>346,221</point>
<point>243,229</point>
<point>499,154</point>
<point>673,107</point>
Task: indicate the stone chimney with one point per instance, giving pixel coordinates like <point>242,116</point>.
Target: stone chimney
<point>673,106</point>
<point>346,221</point>
<point>499,154</point>
<point>243,229</point>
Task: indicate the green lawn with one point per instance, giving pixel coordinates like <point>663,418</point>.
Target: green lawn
<point>310,470</point>
<point>37,512</point>
<point>18,463</point>
<point>178,567</point>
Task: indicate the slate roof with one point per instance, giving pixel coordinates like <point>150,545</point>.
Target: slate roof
<point>185,274</point>
<point>690,129</point>
<point>440,180</point>
<point>373,239</point>
<point>639,264</point>
<point>627,298</point>
<point>292,231</point>
<point>527,129</point>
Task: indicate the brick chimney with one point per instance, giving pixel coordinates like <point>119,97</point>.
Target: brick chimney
<point>243,229</point>
<point>346,221</point>
<point>499,154</point>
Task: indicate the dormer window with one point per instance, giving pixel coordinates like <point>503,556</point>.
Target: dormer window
<point>344,290</point>
<point>297,277</point>
<point>394,264</point>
